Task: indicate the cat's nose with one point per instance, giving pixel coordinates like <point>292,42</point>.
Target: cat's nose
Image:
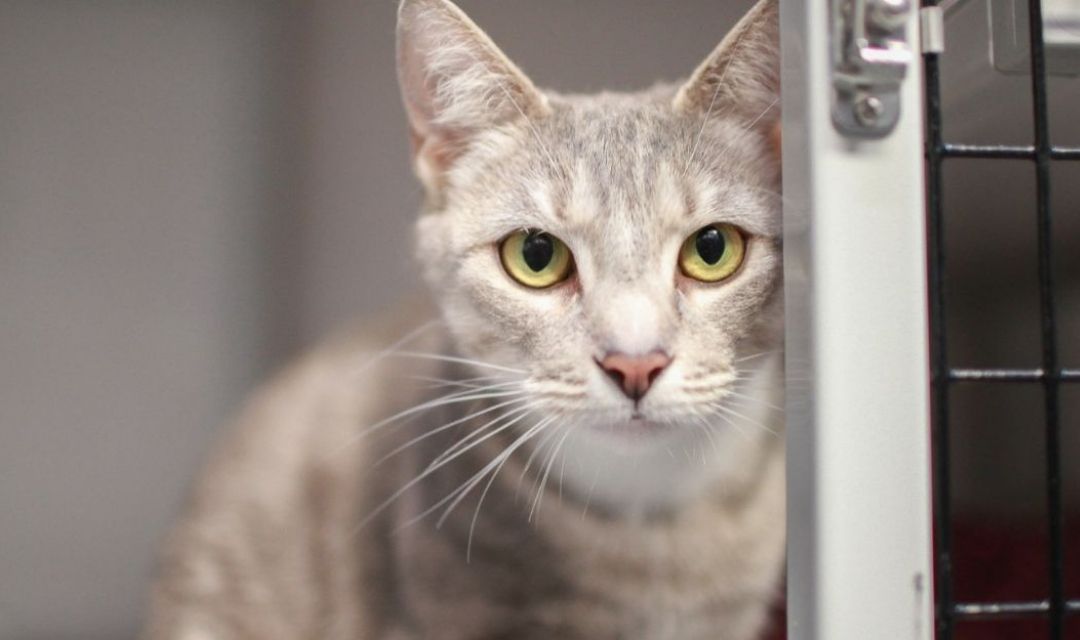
<point>634,374</point>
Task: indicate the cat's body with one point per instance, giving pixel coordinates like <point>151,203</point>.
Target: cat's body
<point>272,547</point>
<point>617,501</point>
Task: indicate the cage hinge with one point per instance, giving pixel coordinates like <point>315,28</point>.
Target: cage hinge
<point>932,29</point>
<point>870,56</point>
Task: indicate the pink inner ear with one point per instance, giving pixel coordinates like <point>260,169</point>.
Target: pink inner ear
<point>455,83</point>
<point>438,148</point>
<point>776,138</point>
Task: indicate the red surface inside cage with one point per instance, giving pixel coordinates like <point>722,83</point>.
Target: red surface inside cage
<point>995,562</point>
<point>1008,563</point>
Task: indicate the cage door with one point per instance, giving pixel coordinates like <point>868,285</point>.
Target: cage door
<point>859,526</point>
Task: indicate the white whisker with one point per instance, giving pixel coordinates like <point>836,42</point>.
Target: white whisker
<point>753,401</point>
<point>708,433</point>
<point>712,102</point>
<point>454,423</point>
<point>756,355</point>
<point>465,383</point>
<point>729,410</point>
<point>588,497</point>
<point>517,107</point>
<point>547,471</point>
<point>762,115</point>
<point>739,428</point>
<point>528,462</point>
<point>480,502</point>
<point>467,395</point>
<point>430,470</point>
<point>408,337</point>
<point>478,432</point>
<point>562,473</point>
<point>457,360</point>
<point>464,490</point>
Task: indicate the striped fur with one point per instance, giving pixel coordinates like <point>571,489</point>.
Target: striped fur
<point>562,510</point>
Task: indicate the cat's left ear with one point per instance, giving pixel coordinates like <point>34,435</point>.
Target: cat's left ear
<point>742,75</point>
<point>455,83</point>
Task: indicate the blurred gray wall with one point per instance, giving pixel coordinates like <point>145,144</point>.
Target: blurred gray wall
<point>140,156</point>
<point>190,191</point>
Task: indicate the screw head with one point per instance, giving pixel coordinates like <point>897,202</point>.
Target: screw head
<point>868,110</point>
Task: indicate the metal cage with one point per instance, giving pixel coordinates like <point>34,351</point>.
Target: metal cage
<point>945,375</point>
<point>869,377</point>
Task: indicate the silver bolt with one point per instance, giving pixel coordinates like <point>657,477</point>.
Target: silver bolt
<point>868,110</point>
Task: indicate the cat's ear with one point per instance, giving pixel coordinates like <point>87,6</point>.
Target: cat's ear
<point>742,75</point>
<point>455,82</point>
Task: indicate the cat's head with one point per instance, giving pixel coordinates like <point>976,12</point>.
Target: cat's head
<point>622,250</point>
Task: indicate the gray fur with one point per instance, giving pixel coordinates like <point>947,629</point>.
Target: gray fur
<point>602,520</point>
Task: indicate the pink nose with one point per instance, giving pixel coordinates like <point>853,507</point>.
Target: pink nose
<point>634,374</point>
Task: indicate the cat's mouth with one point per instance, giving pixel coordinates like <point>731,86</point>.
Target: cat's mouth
<point>637,425</point>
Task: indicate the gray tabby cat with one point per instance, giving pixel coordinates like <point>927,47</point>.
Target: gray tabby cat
<point>602,456</point>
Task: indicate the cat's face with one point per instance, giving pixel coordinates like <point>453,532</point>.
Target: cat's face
<point>616,180</point>
<point>564,235</point>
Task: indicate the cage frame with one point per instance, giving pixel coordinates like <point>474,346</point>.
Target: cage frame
<point>859,495</point>
<point>829,181</point>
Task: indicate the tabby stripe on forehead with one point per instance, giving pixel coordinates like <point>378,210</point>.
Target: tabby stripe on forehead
<point>690,201</point>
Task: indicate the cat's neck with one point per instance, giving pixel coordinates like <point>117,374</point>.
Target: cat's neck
<point>707,562</point>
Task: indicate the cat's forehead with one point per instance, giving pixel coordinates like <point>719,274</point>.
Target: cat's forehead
<point>622,151</point>
<point>613,131</point>
<point>626,158</point>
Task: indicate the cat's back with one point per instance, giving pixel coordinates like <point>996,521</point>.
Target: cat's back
<point>268,545</point>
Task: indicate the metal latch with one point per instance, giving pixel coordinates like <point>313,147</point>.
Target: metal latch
<point>870,57</point>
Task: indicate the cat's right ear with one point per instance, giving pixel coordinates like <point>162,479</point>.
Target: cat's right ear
<point>455,83</point>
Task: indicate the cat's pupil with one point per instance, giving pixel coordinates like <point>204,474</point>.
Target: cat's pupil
<point>538,251</point>
<point>711,245</point>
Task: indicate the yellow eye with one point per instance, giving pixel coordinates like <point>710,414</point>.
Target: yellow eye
<point>713,253</point>
<point>536,259</point>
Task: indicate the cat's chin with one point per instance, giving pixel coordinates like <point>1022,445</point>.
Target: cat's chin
<point>642,465</point>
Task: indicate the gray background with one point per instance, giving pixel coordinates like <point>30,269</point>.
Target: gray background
<point>192,191</point>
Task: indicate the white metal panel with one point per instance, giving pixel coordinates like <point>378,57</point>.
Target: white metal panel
<point>858,453</point>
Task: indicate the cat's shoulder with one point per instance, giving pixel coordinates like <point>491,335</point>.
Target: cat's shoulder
<point>313,413</point>
<point>285,475</point>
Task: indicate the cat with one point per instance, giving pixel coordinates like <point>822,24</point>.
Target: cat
<point>580,438</point>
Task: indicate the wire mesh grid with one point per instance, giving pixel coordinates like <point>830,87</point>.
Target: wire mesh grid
<point>1051,375</point>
